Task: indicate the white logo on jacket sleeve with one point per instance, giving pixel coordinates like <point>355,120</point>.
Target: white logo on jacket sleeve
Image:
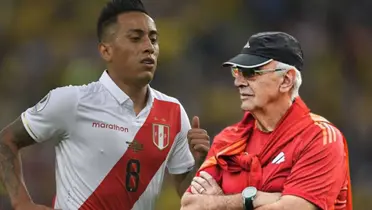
<point>160,135</point>
<point>279,158</point>
<point>247,45</point>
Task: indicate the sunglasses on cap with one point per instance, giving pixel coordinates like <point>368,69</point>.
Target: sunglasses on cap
<point>250,72</point>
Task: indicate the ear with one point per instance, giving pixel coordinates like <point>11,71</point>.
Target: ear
<point>288,81</point>
<point>106,51</point>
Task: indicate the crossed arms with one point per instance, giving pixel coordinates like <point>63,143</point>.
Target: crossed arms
<point>314,182</point>
<point>213,198</point>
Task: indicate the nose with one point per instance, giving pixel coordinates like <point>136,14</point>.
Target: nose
<point>240,81</point>
<point>149,46</point>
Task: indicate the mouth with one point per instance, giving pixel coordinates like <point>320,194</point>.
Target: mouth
<point>244,96</point>
<point>149,62</point>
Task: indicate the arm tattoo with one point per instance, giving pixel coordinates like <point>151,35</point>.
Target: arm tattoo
<point>12,139</point>
<point>7,169</point>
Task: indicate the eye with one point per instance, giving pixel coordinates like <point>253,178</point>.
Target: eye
<point>135,39</point>
<point>249,73</point>
<point>257,73</point>
<point>154,40</point>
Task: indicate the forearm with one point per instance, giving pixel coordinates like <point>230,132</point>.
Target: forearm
<point>211,202</point>
<point>226,202</point>
<point>11,174</point>
<point>289,202</point>
<point>235,202</point>
<point>276,206</point>
<point>10,163</point>
<point>185,183</point>
<point>271,207</point>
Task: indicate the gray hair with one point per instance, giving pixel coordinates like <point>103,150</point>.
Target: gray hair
<point>298,79</point>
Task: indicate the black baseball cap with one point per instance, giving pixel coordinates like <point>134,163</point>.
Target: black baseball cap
<point>264,47</point>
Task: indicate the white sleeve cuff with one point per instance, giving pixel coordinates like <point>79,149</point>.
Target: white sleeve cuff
<point>26,124</point>
<point>182,168</point>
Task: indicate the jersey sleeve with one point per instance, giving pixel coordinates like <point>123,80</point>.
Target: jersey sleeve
<point>181,159</point>
<point>53,116</point>
<point>320,170</point>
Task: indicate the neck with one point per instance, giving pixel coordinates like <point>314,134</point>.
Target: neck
<point>268,117</point>
<point>137,94</point>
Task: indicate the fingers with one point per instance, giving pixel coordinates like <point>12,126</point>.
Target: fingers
<point>207,177</point>
<point>199,189</point>
<point>202,182</point>
<point>199,141</point>
<point>201,148</point>
<point>194,190</point>
<point>194,131</point>
<point>206,184</point>
<point>203,136</point>
<point>198,138</point>
<point>196,141</point>
<point>195,122</point>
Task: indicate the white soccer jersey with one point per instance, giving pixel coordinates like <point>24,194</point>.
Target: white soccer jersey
<point>107,157</point>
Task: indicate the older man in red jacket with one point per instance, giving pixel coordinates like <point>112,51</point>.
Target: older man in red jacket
<point>280,156</point>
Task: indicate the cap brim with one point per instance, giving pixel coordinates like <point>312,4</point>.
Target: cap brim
<point>247,61</point>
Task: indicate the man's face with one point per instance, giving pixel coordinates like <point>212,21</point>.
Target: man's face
<point>258,91</point>
<point>133,48</point>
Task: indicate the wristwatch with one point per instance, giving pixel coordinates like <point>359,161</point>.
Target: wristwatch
<point>249,194</point>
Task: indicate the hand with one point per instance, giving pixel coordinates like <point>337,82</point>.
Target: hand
<point>264,198</point>
<point>206,185</point>
<point>191,202</point>
<point>32,206</point>
<point>198,139</point>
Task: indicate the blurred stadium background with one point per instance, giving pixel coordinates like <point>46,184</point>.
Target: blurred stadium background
<point>45,44</point>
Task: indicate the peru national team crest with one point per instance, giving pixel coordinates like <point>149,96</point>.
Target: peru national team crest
<point>160,135</point>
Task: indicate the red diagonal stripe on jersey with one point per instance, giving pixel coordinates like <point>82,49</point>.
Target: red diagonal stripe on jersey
<point>156,134</point>
<point>112,193</point>
<point>166,130</point>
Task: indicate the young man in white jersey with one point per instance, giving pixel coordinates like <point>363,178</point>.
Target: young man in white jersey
<point>117,135</point>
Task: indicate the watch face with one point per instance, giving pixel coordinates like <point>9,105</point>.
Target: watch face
<point>249,192</point>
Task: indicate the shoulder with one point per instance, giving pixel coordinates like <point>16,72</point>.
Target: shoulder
<point>68,97</point>
<point>167,102</point>
<point>64,92</point>
<point>173,106</point>
<point>77,91</point>
<point>164,97</point>
<point>60,98</point>
<point>90,90</point>
<point>322,137</point>
<point>93,93</point>
<point>324,130</point>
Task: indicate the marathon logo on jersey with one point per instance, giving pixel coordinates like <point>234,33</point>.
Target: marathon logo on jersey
<point>160,135</point>
<point>109,126</point>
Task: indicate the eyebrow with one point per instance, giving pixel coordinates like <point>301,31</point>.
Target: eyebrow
<point>140,31</point>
